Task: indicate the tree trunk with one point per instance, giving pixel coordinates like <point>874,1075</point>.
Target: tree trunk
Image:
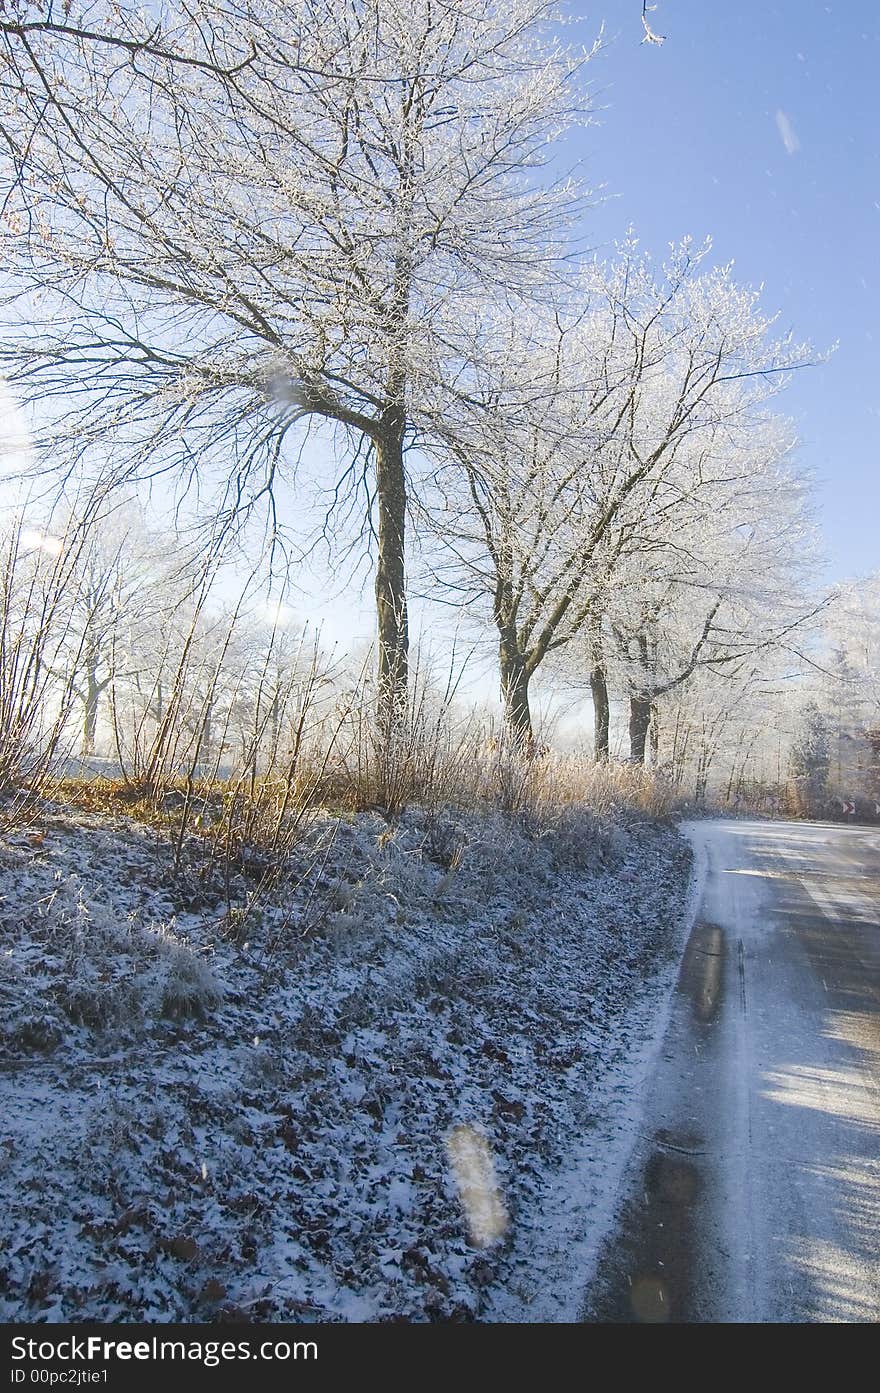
<point>94,689</point>
<point>390,578</point>
<point>702,778</point>
<point>639,725</point>
<point>90,714</point>
<point>655,736</point>
<point>206,744</point>
<point>275,721</point>
<point>515,691</point>
<point>601,714</point>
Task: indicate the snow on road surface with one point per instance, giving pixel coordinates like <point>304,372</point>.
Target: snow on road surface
<point>754,1193</point>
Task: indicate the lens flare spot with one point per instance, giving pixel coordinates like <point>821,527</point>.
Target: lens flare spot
<point>473,1167</point>
<point>33,540</point>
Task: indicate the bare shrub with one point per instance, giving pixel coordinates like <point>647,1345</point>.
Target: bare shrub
<point>39,580</point>
<point>431,758</point>
<point>65,959</point>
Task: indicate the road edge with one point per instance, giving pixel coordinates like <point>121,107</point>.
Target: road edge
<point>587,1196</point>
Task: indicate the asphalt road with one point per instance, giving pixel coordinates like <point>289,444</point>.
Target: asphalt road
<point>754,1191</point>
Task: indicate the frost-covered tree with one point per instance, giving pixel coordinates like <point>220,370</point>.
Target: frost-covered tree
<point>226,217</point>
<point>854,634</point>
<point>726,732</point>
<point>126,575</point>
<point>598,446</point>
<point>730,582</point>
<point>849,687</point>
<point>41,570</point>
<point>810,759</point>
<point>164,672</point>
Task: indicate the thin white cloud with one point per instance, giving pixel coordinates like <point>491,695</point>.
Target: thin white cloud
<point>787,133</point>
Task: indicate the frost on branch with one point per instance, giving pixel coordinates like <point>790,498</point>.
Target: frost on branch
<point>650,36</point>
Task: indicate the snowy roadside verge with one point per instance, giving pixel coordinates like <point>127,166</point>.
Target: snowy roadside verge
<point>247,1117</point>
<point>550,1266</point>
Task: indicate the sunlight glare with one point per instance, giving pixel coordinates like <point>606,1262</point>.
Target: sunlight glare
<point>474,1170</point>
<point>34,540</point>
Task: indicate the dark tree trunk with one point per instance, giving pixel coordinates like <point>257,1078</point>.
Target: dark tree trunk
<point>639,725</point>
<point>515,690</point>
<point>206,743</point>
<point>390,577</point>
<point>702,780</point>
<point>94,688</point>
<point>275,720</point>
<point>655,736</point>
<point>601,713</point>
<point>90,714</point>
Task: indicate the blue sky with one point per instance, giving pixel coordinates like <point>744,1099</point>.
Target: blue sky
<point>760,125</point>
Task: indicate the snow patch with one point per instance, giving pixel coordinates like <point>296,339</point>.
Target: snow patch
<point>201,1127</point>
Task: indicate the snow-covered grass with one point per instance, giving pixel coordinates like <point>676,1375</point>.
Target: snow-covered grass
<point>305,1103</point>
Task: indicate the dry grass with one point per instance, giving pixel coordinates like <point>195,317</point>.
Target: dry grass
<point>238,738</point>
<point>470,773</point>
